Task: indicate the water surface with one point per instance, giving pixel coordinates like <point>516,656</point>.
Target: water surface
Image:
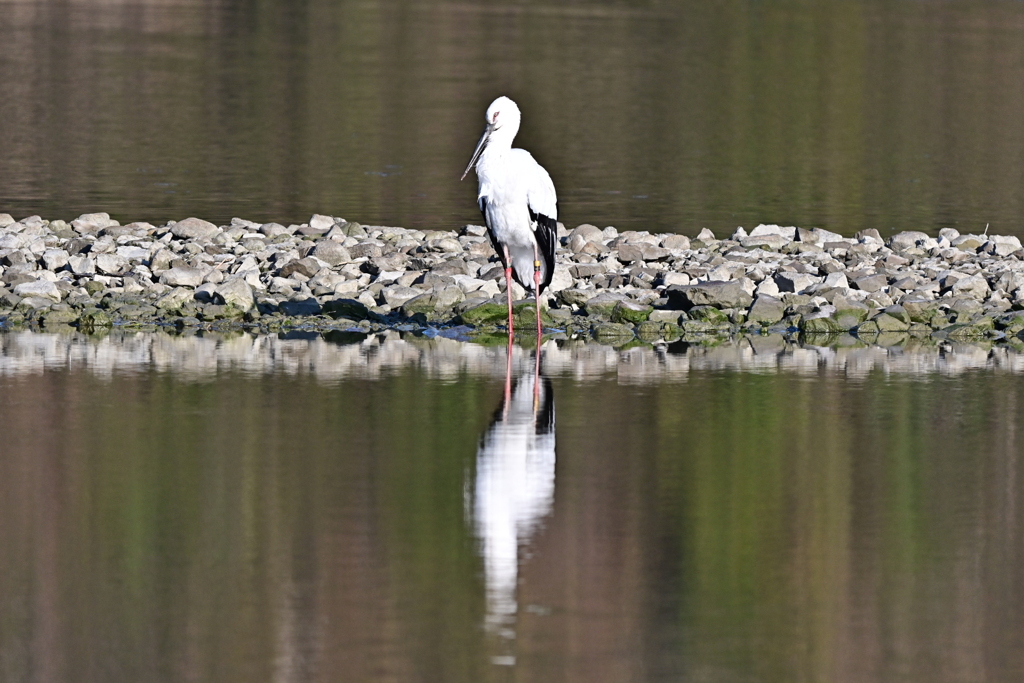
<point>649,115</point>
<point>239,508</point>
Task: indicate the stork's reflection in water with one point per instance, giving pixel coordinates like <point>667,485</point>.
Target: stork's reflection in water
<point>514,489</point>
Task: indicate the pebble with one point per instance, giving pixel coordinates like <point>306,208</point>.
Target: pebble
<point>329,272</point>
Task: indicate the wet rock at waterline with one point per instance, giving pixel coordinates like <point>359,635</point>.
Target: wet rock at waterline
<point>618,287</point>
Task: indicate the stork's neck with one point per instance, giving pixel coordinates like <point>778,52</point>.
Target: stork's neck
<point>500,141</point>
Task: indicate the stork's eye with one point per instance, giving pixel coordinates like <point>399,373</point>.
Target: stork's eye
<point>494,117</point>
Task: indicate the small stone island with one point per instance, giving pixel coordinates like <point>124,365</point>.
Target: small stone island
<point>616,287</point>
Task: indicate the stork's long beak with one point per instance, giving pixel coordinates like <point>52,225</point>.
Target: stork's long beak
<point>479,148</point>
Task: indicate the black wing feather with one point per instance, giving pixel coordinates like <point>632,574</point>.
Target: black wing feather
<point>482,203</point>
<point>546,234</point>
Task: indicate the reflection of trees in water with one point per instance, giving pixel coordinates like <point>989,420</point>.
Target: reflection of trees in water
<point>741,525</point>
<point>845,115</point>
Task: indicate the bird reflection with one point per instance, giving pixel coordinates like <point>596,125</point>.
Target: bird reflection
<point>515,486</point>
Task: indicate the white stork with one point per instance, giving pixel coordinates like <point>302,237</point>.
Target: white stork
<point>518,201</point>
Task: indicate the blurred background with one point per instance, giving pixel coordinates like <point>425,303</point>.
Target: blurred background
<point>662,116</point>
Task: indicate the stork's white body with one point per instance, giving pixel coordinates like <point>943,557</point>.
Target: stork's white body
<point>512,184</point>
<point>518,201</point>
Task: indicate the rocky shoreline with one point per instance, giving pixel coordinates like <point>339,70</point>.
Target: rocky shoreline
<point>616,287</point>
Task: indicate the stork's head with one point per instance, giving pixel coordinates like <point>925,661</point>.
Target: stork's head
<point>503,114</point>
<point>502,125</point>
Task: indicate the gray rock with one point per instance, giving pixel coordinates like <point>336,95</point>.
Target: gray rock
<point>321,222</point>
<point>585,270</point>
<point>789,233</point>
<point>965,308</point>
<point>1001,245</point>
<point>8,299</point>
<point>183,276</point>
<point>920,310</point>
<point>602,305</point>
<point>871,283</point>
<point>849,312</point>
<point>795,282</point>
<point>91,223</point>
<point>890,323</point>
<point>700,327</point>
<point>669,278</point>
<point>730,294</point>
<point>576,244</point>
<point>396,295</point>
<point>676,242</point>
<point>162,260</point>
<point>821,323</point>
<point>272,230</point>
<point>907,239</point>
<point>351,229</point>
<point>766,310</point>
<point>970,243</point>
<point>300,306</point>
<point>653,252</point>
<point>474,230</point>
<point>869,235</point>
<point>60,317</point>
<point>613,333</point>
<point>254,245</point>
<point>587,232</point>
<point>425,303</point>
<point>331,253</point>
<point>133,254</point>
<point>837,280</point>
<point>866,329</point>
<point>771,242</point>
<point>307,266</point>
<point>974,286</point>
<point>630,312</point>
<point>235,292</point>
<point>455,266</point>
<point>174,299</point>
<point>13,241</point>
<point>1012,322</point>
<point>213,275</point>
<point>630,253</point>
<point>709,314</point>
<point>16,257</point>
<point>898,312</point>
<point>55,259</point>
<point>82,265</point>
<point>43,289</point>
<point>560,279</point>
<point>205,292</point>
<point>448,297</point>
<point>448,245</point>
<point>664,316</point>
<point>194,229</point>
<point>577,297</point>
<point>346,308</point>
<point>111,264</point>
<point>367,249</point>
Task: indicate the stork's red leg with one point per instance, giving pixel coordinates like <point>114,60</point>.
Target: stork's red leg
<point>508,289</point>
<point>536,290</point>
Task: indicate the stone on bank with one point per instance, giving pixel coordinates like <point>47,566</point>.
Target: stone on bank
<point>612,285</point>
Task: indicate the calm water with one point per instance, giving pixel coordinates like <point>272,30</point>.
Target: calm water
<point>649,114</point>
<point>384,509</point>
<point>237,508</point>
